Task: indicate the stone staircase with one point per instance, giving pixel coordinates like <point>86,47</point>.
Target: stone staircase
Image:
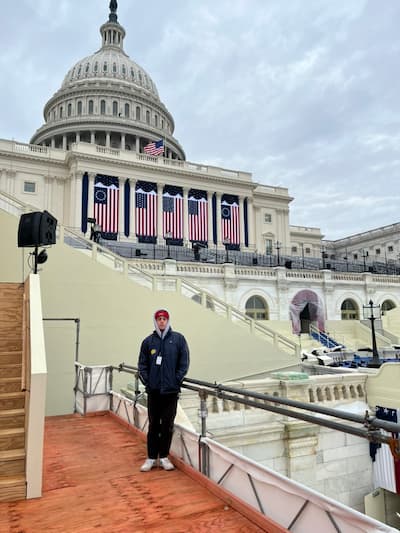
<point>12,395</point>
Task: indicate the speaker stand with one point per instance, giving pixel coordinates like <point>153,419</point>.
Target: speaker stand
<point>35,255</point>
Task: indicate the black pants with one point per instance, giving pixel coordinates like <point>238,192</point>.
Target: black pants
<point>161,409</point>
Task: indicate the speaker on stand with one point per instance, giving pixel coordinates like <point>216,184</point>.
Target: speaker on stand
<point>37,229</point>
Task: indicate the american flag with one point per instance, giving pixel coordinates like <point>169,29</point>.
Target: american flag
<point>172,215</point>
<point>146,213</point>
<point>106,203</point>
<point>386,468</point>
<point>155,148</point>
<point>230,222</point>
<point>198,219</point>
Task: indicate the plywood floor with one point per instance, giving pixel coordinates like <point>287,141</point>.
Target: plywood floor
<point>92,483</point>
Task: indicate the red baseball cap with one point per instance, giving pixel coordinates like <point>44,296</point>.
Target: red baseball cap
<point>161,312</point>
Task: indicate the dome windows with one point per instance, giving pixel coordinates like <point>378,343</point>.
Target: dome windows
<point>91,107</point>
<point>124,70</point>
<point>140,78</point>
<point>127,110</point>
<point>69,109</point>
<point>156,121</point>
<point>105,66</point>
<point>61,111</point>
<point>79,70</point>
<point>87,68</point>
<point>115,108</point>
<point>79,108</point>
<point>114,68</point>
<point>137,113</point>
<point>147,117</point>
<point>96,68</point>
<point>102,107</point>
<point>132,73</point>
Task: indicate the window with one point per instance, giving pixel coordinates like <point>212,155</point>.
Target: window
<point>390,248</point>
<point>79,108</point>
<point>148,117</point>
<point>114,68</point>
<point>102,107</point>
<point>138,113</point>
<point>29,186</point>
<point>377,251</point>
<point>268,246</point>
<point>79,70</point>
<point>105,66</point>
<point>294,249</point>
<point>132,74</point>
<point>308,250</point>
<point>256,308</point>
<point>91,107</point>
<point>69,112</point>
<point>162,124</point>
<point>156,121</point>
<point>355,257</point>
<point>87,68</point>
<point>140,77</point>
<point>267,218</point>
<point>96,67</point>
<point>124,70</point>
<point>349,310</point>
<point>61,112</point>
<point>127,110</point>
<point>115,108</point>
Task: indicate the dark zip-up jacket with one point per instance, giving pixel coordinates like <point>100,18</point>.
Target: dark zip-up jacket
<point>174,352</point>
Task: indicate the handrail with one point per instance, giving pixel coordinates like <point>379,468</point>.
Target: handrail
<point>369,431</point>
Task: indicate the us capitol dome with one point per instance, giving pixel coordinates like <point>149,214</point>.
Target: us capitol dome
<point>109,100</point>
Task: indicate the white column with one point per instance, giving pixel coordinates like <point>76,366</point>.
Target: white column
<point>210,220</point>
<point>78,137</point>
<point>132,232</point>
<point>219,237</point>
<point>241,222</point>
<point>53,142</point>
<point>160,236</point>
<point>122,141</point>
<point>185,216</point>
<point>107,139</point>
<point>64,142</point>
<point>137,144</point>
<point>250,222</point>
<point>92,137</point>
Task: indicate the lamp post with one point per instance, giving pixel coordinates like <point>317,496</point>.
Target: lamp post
<point>369,315</point>
<point>278,246</point>
<point>324,256</point>
<point>226,242</point>
<point>302,254</point>
<point>168,237</point>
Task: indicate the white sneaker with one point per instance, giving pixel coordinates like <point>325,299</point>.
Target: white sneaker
<point>148,465</point>
<point>166,464</point>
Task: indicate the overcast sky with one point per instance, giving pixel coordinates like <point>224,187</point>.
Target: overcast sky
<point>304,94</point>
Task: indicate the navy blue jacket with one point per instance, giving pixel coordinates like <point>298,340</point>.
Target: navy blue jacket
<point>166,377</point>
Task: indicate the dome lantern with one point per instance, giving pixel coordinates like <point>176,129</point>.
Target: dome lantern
<point>112,32</point>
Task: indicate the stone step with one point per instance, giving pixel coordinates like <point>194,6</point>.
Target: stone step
<point>10,385</point>
<point>12,439</point>
<point>12,462</point>
<point>12,400</point>
<point>12,488</point>
<point>10,357</point>
<point>12,418</point>
<point>8,370</point>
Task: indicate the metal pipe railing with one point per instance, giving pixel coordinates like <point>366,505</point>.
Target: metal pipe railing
<point>371,429</point>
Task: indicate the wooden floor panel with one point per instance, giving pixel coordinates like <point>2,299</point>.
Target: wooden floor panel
<point>92,484</point>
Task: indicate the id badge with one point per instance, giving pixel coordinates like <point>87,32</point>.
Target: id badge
<point>158,360</point>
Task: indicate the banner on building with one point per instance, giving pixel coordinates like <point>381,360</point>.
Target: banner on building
<point>386,468</point>
<point>146,211</point>
<point>230,221</point>
<point>172,210</point>
<point>106,205</point>
<point>85,198</point>
<point>198,216</point>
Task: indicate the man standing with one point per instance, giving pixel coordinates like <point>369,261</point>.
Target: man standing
<point>163,363</point>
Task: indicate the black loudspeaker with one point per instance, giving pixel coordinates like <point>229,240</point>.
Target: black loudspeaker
<point>288,264</point>
<point>47,230</point>
<point>36,229</point>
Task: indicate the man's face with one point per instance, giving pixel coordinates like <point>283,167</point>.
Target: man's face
<point>161,322</point>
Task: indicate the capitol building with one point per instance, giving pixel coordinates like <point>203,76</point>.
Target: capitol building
<point>106,164</point>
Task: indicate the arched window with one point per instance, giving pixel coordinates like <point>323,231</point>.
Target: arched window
<point>256,308</point>
<point>162,124</point>
<point>79,70</point>
<point>127,110</point>
<point>105,66</point>
<point>91,107</point>
<point>124,70</point>
<point>148,117</point>
<point>96,67</point>
<point>132,74</point>
<point>115,108</point>
<point>61,111</point>
<point>349,310</point>
<point>114,68</point>
<point>87,68</point>
<point>137,113</point>
<point>102,107</point>
<point>69,110</point>
<point>387,306</point>
<point>156,121</point>
<point>79,108</point>
<point>140,78</point>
